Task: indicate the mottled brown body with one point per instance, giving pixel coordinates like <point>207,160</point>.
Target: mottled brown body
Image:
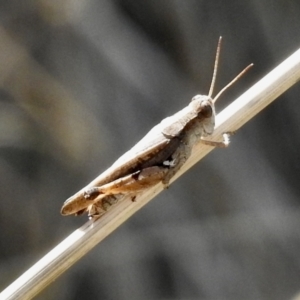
<point>172,141</point>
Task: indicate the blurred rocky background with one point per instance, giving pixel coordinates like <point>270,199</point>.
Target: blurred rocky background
<point>82,81</point>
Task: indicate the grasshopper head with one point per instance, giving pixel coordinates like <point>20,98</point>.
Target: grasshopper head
<point>205,109</point>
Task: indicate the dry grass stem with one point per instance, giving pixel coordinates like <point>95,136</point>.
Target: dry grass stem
<point>85,238</point>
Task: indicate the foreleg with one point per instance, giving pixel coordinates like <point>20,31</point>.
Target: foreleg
<point>222,144</point>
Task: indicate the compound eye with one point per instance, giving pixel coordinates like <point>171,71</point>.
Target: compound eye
<point>206,110</point>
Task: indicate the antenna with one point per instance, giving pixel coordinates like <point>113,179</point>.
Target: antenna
<point>232,82</point>
<point>213,80</point>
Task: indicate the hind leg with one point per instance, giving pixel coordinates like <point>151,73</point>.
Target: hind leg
<point>129,184</point>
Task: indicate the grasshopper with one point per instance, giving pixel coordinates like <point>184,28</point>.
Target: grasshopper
<point>156,158</point>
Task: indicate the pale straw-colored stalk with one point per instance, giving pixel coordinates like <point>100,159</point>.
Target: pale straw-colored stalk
<point>85,238</point>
